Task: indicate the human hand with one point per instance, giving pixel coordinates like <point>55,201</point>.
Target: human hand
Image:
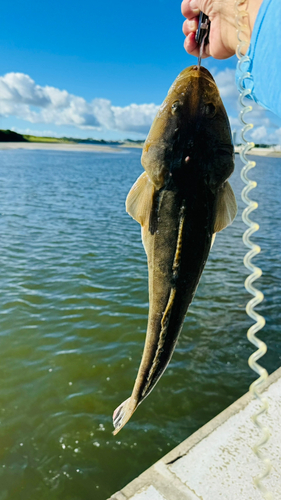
<point>222,37</point>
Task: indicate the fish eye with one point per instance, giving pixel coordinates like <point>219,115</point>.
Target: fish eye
<point>210,110</point>
<point>175,106</point>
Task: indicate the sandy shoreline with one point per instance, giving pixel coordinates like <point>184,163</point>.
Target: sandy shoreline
<point>90,148</point>
<point>271,152</point>
<point>96,148</point>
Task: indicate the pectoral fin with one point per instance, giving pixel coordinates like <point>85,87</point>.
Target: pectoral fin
<point>226,208</point>
<point>140,199</point>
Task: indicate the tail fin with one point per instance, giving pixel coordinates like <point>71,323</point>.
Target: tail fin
<point>122,414</point>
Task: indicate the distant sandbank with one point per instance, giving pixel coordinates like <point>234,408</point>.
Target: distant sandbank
<point>91,148</point>
<point>96,148</point>
<point>273,152</point>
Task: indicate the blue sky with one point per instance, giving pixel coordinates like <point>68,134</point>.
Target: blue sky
<point>111,59</point>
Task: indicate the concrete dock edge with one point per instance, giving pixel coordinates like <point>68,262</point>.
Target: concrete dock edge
<point>217,462</point>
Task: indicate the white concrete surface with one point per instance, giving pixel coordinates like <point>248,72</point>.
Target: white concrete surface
<point>148,494</point>
<point>217,462</point>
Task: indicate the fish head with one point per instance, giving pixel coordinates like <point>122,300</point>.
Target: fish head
<point>190,136</point>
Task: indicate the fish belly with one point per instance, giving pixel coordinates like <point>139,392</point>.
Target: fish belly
<point>177,253</point>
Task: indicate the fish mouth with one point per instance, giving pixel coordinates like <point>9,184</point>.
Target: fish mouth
<point>196,72</point>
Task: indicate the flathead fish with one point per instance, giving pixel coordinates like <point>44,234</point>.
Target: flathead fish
<point>181,201</point>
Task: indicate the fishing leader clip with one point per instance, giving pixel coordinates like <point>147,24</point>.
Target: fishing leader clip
<point>203,28</point>
<point>202,34</point>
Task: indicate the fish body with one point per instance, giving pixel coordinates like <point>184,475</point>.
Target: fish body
<point>181,201</point>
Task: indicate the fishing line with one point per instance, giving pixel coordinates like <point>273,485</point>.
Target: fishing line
<point>258,385</point>
<point>201,49</point>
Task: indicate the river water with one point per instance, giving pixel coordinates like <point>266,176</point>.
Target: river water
<point>73,315</point>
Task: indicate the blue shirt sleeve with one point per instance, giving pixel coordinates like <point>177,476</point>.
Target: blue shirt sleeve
<point>265,58</point>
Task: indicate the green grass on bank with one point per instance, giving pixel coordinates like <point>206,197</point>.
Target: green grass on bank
<point>10,136</point>
<point>34,138</point>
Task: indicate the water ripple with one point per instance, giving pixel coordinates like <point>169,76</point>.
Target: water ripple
<point>73,316</point>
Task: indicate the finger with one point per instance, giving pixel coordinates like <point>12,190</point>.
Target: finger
<point>190,45</point>
<point>189,9</point>
<point>190,26</point>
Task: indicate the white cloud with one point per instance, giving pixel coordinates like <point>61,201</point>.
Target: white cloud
<point>259,134</point>
<point>18,88</point>
<point>266,125</point>
<point>275,137</point>
<point>225,81</point>
<point>42,133</point>
<point>102,110</point>
<point>138,117</point>
<point>22,98</point>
